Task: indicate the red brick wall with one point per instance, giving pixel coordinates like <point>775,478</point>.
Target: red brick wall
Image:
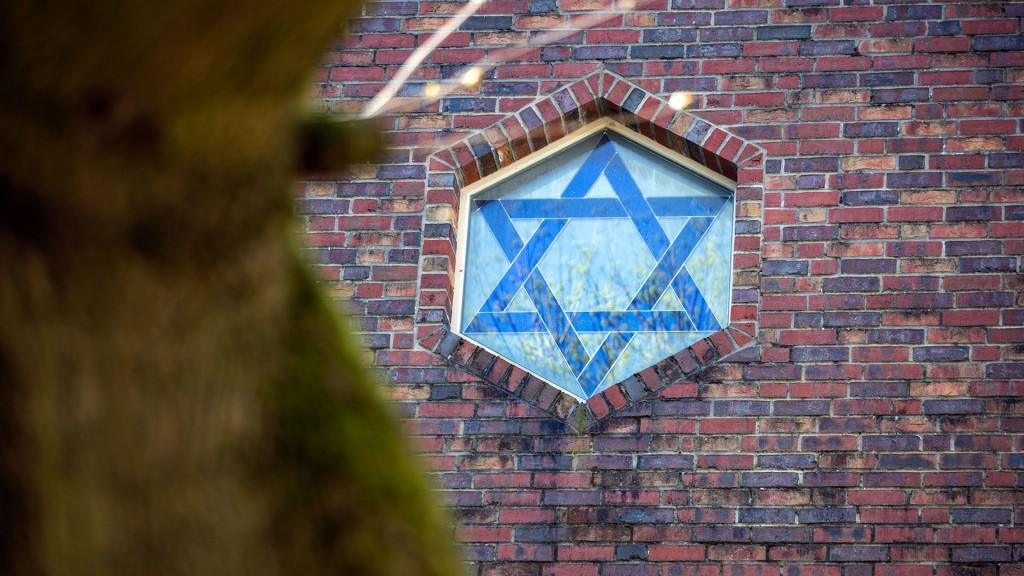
<point>875,424</point>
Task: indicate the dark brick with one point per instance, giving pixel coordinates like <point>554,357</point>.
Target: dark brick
<point>477,22</point>
<point>632,101</point>
<point>419,375</point>
<point>814,164</point>
<point>784,267</point>
<point>914,179</point>
<point>734,17</point>
<point>827,47</point>
<point>819,354</point>
<point>1013,160</point>
<point>772,372</point>
<point>858,553</point>
<point>807,233</point>
<point>901,442</point>
<point>543,6</point>
<point>913,12</point>
<point>868,265</point>
<point>455,104</point>
<point>391,307</point>
<point>1005,370</point>
<point>989,264</point>
<point>545,462</point>
<point>940,353</point>
<point>717,50</point>
<point>845,284</point>
<point>986,299</point>
<point>769,479</point>
<point>899,95</point>
<point>600,52</point>
<point>871,129</point>
<point>905,462</point>
<point>800,407</point>
<point>631,552</point>
<point>969,213</point>
<point>654,52</point>
<point>980,554</point>
<point>973,178</point>
<point>867,197</point>
<point>321,206</point>
<point>829,80</point>
<point>630,569</point>
<point>953,407</point>
<point>915,162</point>
<point>847,319</point>
<point>683,407</point>
<point>445,392</point>
<point>998,43</point>
<point>665,461</point>
<point>944,28</point>
<point>786,461</point>
<point>895,336</point>
<point>393,172</point>
<point>721,534</point>
<point>972,247</point>
<point>807,320</point>
<point>886,79</point>
<point>777,534</point>
<point>767,515</point>
<point>506,88</point>
<point>980,515</point>
<point>542,533</point>
<point>741,407</point>
<point>925,301</point>
<point>827,515</point>
<point>376,25</point>
<point>660,35</point>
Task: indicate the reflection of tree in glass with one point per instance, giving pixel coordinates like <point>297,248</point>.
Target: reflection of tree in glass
<point>710,264</point>
<point>595,265</point>
<point>485,265</point>
<point>544,359</point>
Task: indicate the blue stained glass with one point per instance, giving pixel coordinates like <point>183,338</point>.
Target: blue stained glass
<point>535,352</point>
<point>586,255</point>
<point>714,281</point>
<point>522,267</point>
<point>596,263</point>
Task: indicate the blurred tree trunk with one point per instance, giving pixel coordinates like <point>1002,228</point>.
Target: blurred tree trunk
<point>175,397</point>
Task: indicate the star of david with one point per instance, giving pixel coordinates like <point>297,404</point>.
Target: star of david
<point>618,327</point>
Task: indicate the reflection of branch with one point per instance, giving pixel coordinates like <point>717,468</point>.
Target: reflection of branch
<point>386,102</point>
<point>434,91</point>
<point>377,104</point>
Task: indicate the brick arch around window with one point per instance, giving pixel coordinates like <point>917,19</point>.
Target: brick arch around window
<point>544,122</point>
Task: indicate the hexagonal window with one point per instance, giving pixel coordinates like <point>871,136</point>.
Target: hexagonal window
<point>594,258</point>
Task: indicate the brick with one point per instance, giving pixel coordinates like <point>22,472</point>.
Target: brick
<point>675,552</point>
<point>766,479</point>
<point>980,554</point>
<point>827,515</point>
<point>858,554</point>
<point>952,406</point>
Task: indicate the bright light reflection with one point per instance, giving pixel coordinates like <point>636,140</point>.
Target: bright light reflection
<point>472,76</point>
<point>680,100</point>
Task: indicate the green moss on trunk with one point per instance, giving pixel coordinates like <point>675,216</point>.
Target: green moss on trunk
<point>175,397</point>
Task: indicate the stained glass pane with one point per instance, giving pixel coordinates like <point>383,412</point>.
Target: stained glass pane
<point>596,263</point>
